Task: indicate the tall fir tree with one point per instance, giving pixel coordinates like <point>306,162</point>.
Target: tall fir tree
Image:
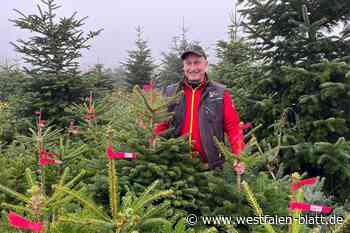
<point>52,54</point>
<point>139,66</point>
<point>57,43</point>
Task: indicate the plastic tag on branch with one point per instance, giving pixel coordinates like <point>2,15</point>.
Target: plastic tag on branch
<point>119,155</point>
<point>48,158</point>
<point>20,222</point>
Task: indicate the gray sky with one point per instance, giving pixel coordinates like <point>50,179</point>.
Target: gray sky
<point>161,20</point>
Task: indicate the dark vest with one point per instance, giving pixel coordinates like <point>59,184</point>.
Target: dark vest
<point>211,118</point>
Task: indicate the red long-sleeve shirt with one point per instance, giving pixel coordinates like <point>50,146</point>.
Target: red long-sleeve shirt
<point>191,124</point>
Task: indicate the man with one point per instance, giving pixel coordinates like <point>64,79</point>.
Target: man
<point>204,111</point>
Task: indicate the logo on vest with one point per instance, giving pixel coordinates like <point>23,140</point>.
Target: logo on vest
<point>213,94</point>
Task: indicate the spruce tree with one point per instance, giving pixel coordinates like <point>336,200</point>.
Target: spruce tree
<point>139,66</point>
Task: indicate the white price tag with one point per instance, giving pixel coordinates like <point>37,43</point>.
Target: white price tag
<point>316,208</point>
<point>128,155</point>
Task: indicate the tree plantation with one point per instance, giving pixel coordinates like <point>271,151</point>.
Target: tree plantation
<point>79,152</point>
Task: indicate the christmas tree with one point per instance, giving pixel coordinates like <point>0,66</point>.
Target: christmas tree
<point>53,80</point>
<point>139,65</point>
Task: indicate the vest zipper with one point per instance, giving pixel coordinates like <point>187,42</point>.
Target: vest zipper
<point>191,118</point>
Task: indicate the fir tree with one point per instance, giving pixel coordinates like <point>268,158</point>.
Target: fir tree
<point>11,97</point>
<point>139,66</point>
<point>57,44</point>
<point>52,54</point>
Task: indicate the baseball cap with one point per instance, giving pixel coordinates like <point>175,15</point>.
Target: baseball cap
<point>196,49</point>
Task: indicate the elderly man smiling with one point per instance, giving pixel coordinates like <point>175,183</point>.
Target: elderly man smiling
<point>205,110</point>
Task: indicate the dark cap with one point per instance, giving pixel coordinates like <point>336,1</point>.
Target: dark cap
<point>196,49</point>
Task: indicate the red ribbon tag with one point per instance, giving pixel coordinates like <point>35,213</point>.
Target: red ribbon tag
<point>46,158</point>
<point>119,155</point>
<point>23,223</point>
<point>308,181</point>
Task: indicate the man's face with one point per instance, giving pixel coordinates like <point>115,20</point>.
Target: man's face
<point>194,67</point>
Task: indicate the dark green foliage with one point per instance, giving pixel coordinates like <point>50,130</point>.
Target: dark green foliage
<point>293,31</point>
<point>329,160</point>
<point>321,94</point>
<point>11,97</point>
<point>105,80</point>
<point>53,94</point>
<point>316,103</point>
<point>311,93</point>
<point>11,79</point>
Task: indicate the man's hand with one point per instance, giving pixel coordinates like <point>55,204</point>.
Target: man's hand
<point>239,167</point>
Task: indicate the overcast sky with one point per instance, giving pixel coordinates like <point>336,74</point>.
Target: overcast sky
<point>207,21</point>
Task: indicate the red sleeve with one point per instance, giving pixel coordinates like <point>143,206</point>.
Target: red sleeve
<point>160,128</point>
<point>232,125</point>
